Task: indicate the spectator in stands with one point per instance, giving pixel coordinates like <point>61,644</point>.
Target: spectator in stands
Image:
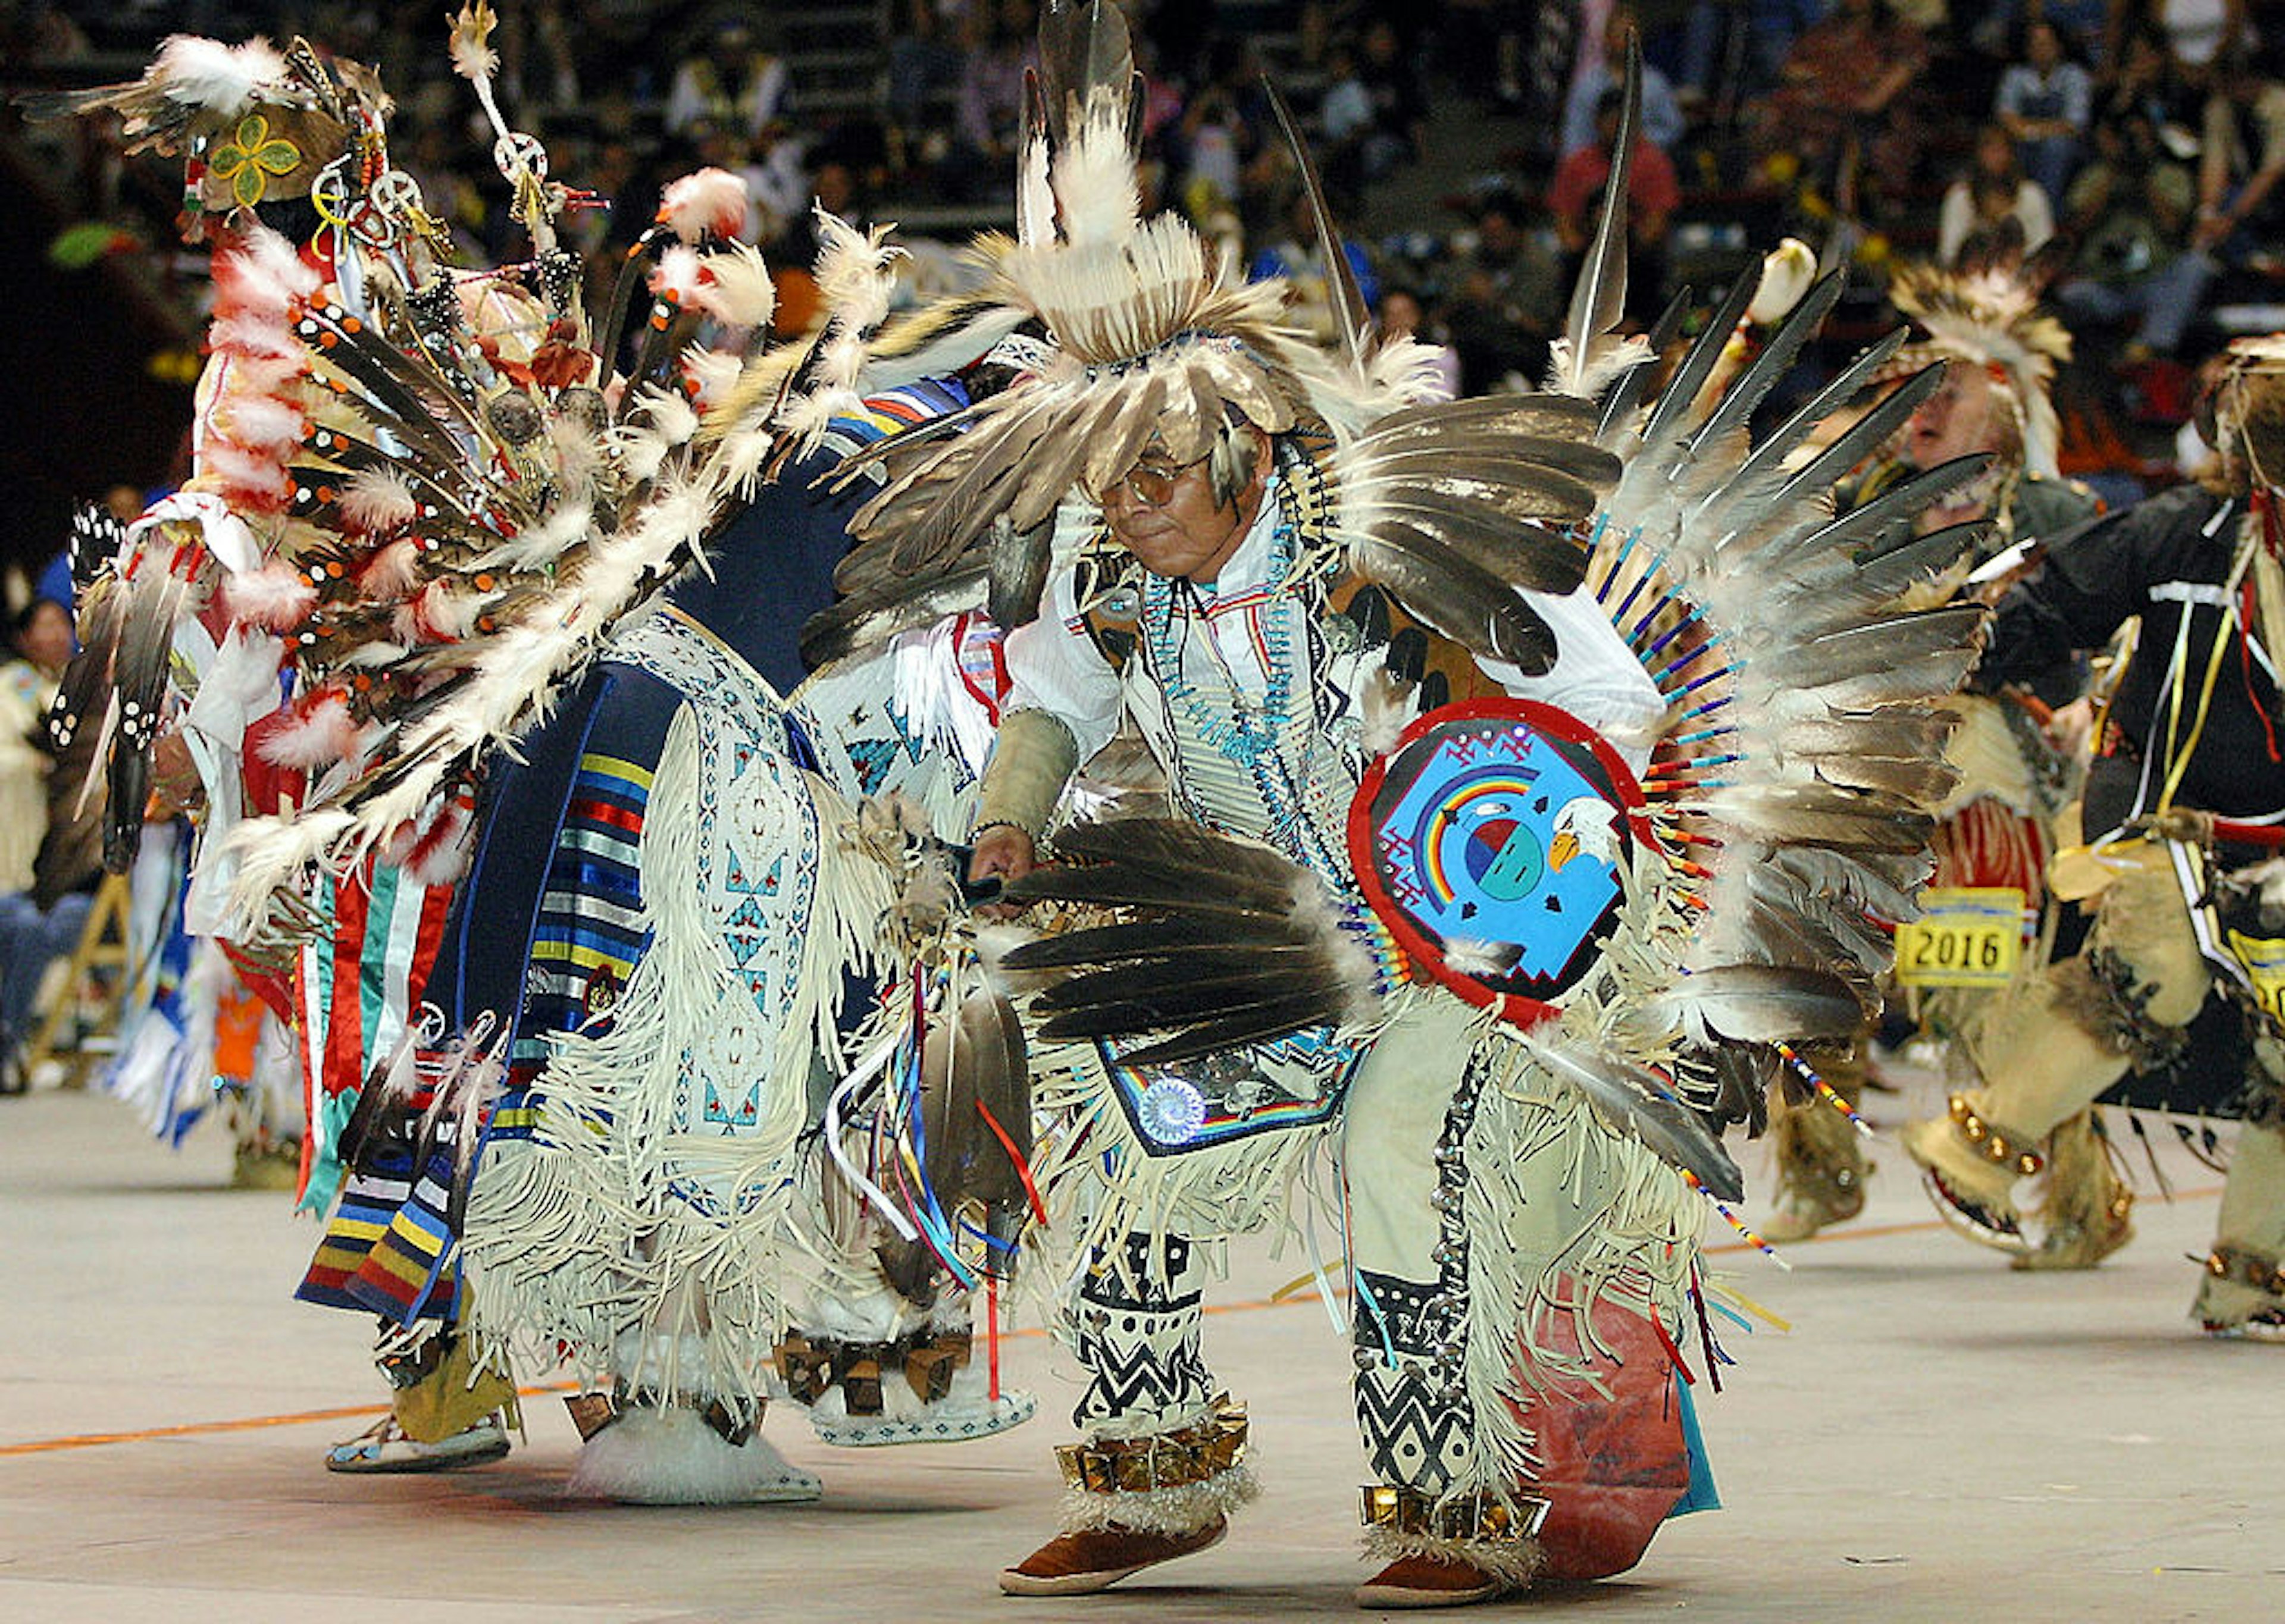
<point>428,153</point>
<point>27,684</point>
<point>1482,43</point>
<point>2083,26</point>
<point>35,927</point>
<point>1344,122</point>
<point>924,58</point>
<point>1400,106</point>
<point>2044,100</point>
<point>1653,192</point>
<point>2203,35</point>
<point>1504,297</point>
<point>1296,255</point>
<point>1843,101</point>
<point>539,71</point>
<point>2147,80</point>
<point>1994,187</point>
<point>777,182</point>
<point>2241,161</point>
<point>596,233</point>
<point>729,80</point>
<point>2130,211</point>
<point>991,99</point>
<point>1404,314</point>
<point>834,187</point>
<point>1214,142</point>
<point>1772,29</point>
<point>1662,121</point>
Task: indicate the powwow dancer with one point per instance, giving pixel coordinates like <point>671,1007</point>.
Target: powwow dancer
<point>440,511</point>
<point>1982,317</point>
<point>1500,836</point>
<point>2188,779</point>
<point>205,651</point>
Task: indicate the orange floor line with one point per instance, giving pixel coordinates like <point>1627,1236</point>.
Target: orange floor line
<point>249,1423</point>
<point>255,1424</point>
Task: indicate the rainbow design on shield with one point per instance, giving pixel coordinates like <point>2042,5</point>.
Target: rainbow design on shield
<point>1491,832</point>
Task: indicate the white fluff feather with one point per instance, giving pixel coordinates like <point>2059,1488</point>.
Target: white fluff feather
<point>703,202</point>
<point>225,78</point>
<point>378,500</point>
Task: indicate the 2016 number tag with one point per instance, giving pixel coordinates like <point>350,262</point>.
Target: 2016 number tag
<point>1966,937</point>
<point>2264,959</point>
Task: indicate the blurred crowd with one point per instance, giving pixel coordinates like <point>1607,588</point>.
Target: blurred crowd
<point>2149,134</point>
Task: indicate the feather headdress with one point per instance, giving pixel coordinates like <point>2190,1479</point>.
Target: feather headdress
<point>1986,312</point>
<point>423,480</point>
<point>1154,341</point>
<point>263,123</point>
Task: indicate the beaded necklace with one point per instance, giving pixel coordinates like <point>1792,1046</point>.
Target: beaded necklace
<point>1251,740</point>
<point>1244,737</point>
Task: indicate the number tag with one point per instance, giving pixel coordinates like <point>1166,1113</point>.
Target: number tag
<point>1966,937</point>
<point>2264,959</point>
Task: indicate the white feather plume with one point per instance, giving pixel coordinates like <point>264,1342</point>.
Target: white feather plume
<point>538,546</point>
<point>473,55</point>
<point>376,501</point>
<point>707,200</point>
<point>275,274</point>
<point>275,597</point>
<point>250,334</point>
<point>853,271</point>
<point>676,275</point>
<point>733,286</point>
<point>672,416</point>
<point>316,733</point>
<point>261,422</point>
<point>393,572</point>
<point>1095,174</point>
<point>221,79</point>
<point>714,372</point>
<point>1787,273</point>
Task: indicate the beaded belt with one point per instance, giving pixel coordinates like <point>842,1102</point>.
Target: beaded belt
<point>1193,1453</point>
<point>1478,1517</point>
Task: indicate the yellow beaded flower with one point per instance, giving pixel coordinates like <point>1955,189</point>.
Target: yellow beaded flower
<point>251,157</point>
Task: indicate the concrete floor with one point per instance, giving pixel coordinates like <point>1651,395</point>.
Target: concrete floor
<point>1936,1438</point>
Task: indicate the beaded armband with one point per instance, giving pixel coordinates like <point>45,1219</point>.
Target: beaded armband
<point>2004,1149</point>
<point>1476,1518</point>
<point>1194,1454</point>
<point>2250,1268</point>
<point>987,827</point>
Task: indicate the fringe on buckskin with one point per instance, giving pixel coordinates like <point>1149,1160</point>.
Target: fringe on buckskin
<point>1514,1562</point>
<point>1178,1510</point>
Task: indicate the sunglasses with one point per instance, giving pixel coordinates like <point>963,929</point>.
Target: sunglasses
<point>1150,481</point>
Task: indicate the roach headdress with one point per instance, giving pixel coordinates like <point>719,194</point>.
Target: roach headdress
<point>1985,312</point>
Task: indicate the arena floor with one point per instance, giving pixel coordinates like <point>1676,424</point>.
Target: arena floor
<point>1934,1439</point>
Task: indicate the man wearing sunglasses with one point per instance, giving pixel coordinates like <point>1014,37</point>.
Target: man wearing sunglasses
<point>1209,617</point>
